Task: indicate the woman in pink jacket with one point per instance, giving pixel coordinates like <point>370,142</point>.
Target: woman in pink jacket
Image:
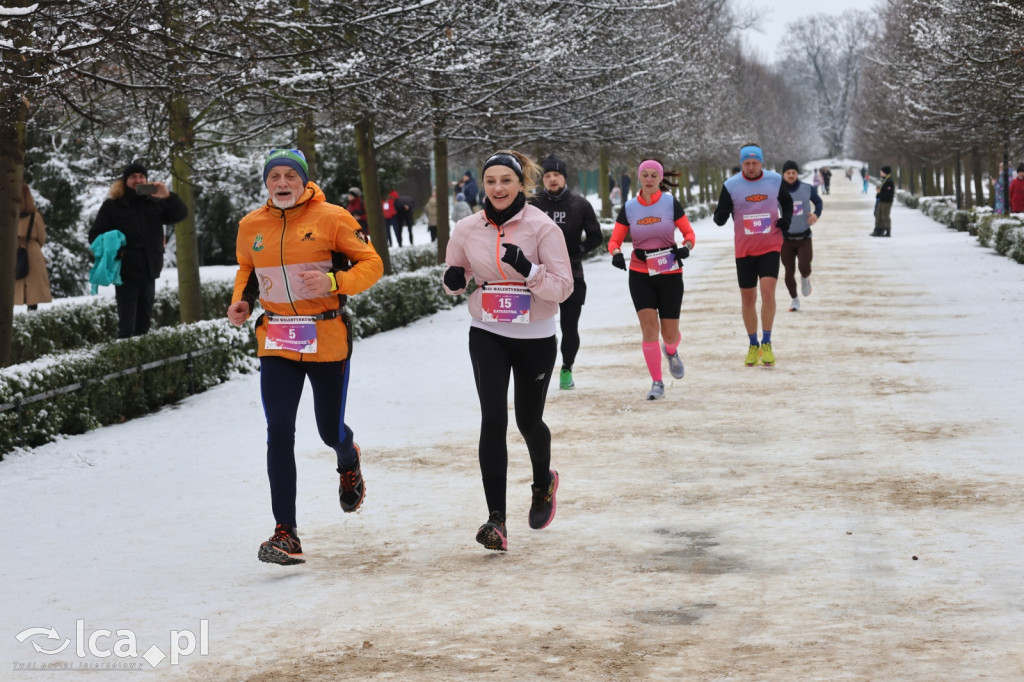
<point>517,256</point>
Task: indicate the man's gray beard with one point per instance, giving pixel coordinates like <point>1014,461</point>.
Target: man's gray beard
<point>283,204</point>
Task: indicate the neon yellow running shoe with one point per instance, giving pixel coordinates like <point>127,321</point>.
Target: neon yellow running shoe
<point>767,356</point>
<point>753,356</point>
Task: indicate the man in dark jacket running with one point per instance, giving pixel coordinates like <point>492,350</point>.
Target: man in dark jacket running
<point>139,210</point>
<point>575,216</point>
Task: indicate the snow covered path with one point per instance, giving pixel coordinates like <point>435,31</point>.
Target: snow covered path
<point>755,524</point>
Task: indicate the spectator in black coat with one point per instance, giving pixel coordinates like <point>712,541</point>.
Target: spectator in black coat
<point>140,210</point>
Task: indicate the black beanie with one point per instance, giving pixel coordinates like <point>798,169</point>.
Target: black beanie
<point>887,170</point>
<point>133,168</point>
<point>553,163</point>
<point>790,165</point>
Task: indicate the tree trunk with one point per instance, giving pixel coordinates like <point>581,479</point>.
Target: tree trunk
<point>958,183</point>
<point>968,194</point>
<point>186,240</point>
<point>702,193</point>
<point>951,177</point>
<point>979,178</point>
<point>603,172</point>
<point>443,192</point>
<point>913,178</point>
<point>306,141</point>
<point>371,189</point>
<point>13,114</point>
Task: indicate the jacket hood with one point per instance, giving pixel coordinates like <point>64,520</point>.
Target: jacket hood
<point>117,190</point>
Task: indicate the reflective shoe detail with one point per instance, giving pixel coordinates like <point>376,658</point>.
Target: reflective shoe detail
<point>767,356</point>
<point>675,363</point>
<point>542,509</point>
<point>283,547</point>
<point>753,356</point>
<point>351,488</point>
<point>805,286</point>
<point>657,390</point>
<point>794,307</point>
<point>492,534</point>
<point>565,381</point>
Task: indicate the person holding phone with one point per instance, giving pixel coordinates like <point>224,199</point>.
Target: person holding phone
<point>138,209</point>
<point>518,257</point>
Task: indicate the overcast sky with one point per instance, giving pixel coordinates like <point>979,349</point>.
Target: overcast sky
<point>778,13</point>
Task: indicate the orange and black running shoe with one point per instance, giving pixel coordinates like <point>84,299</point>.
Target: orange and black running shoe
<point>351,489</point>
<point>282,548</point>
<point>492,534</point>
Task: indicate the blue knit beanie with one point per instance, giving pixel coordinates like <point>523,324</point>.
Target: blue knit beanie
<point>751,151</point>
<point>292,158</point>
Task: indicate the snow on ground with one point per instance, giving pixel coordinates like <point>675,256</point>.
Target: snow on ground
<point>855,513</point>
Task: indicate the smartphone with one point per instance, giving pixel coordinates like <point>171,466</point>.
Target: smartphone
<point>145,189</point>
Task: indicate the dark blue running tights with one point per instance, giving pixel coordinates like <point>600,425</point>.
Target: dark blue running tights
<point>281,382</point>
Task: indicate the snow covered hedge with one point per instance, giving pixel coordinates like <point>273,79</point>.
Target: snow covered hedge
<point>1003,233</point>
<point>110,382</point>
<point>67,327</point>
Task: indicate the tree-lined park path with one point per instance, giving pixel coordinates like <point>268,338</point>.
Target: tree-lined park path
<point>853,513</point>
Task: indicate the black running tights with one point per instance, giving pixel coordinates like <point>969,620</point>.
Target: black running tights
<point>569,319</point>
<point>495,358</point>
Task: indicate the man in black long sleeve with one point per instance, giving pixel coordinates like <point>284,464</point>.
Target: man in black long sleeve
<point>575,216</point>
<point>761,210</point>
<point>139,210</point>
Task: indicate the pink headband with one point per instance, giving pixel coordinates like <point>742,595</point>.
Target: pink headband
<point>651,163</point>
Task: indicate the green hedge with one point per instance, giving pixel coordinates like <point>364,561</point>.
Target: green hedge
<point>108,383</point>
<point>67,327</point>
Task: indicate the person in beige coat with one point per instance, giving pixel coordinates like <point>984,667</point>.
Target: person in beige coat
<point>34,288</point>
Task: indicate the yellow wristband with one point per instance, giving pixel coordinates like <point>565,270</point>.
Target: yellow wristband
<point>334,281</point>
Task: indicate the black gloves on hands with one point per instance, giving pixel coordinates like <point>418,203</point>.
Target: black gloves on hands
<point>515,257</point>
<point>619,261</point>
<point>455,278</point>
<point>783,225</point>
<point>681,252</point>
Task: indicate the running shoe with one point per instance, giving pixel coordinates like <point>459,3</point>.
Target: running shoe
<point>542,509</point>
<point>794,307</point>
<point>753,356</point>
<point>351,488</point>
<point>805,286</point>
<point>282,548</point>
<point>565,381</point>
<point>657,390</point>
<point>675,364</point>
<point>767,356</point>
<point>492,534</point>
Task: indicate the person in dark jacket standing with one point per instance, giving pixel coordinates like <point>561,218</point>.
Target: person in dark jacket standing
<point>575,216</point>
<point>404,205</point>
<point>883,204</point>
<point>796,244</point>
<point>139,210</point>
<point>470,190</point>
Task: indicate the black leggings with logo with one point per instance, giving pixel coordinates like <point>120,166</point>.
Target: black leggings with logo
<point>531,361</point>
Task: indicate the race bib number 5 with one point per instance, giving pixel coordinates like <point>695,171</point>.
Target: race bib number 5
<point>291,333</point>
<point>757,223</point>
<point>505,303</point>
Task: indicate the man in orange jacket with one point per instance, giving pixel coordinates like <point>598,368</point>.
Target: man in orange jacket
<point>301,257</point>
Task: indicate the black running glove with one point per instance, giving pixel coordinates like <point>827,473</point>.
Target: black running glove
<point>515,257</point>
<point>783,225</point>
<point>619,261</point>
<point>681,252</point>
<point>455,278</point>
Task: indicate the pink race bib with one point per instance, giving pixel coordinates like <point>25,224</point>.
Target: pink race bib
<point>505,303</point>
<point>660,262</point>
<point>291,333</point>
<point>757,223</point>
